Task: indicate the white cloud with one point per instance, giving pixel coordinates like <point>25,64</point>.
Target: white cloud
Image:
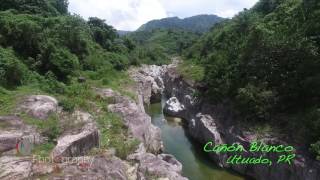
<point>130,14</point>
<point>223,8</point>
<point>122,14</point>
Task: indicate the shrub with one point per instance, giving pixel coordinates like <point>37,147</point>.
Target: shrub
<point>105,81</point>
<point>63,63</point>
<point>115,134</point>
<point>255,102</point>
<point>51,84</point>
<point>43,150</point>
<point>315,148</point>
<point>49,128</point>
<point>191,71</point>
<point>67,105</point>
<point>312,121</point>
<point>119,62</point>
<point>12,71</point>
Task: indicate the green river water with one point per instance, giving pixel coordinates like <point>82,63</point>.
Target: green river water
<point>196,165</point>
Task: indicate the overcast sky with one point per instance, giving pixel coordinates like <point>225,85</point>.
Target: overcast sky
<point>130,14</point>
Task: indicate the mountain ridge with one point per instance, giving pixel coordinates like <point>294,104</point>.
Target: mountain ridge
<point>199,23</point>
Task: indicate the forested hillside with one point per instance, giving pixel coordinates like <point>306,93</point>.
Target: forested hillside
<point>198,24</point>
<point>165,42</point>
<point>40,40</point>
<point>266,61</point>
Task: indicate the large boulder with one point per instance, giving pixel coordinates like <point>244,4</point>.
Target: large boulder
<point>9,139</point>
<point>149,79</point>
<point>39,106</point>
<point>173,107</point>
<point>108,168</point>
<point>77,142</point>
<point>15,168</point>
<point>14,130</point>
<point>160,166</point>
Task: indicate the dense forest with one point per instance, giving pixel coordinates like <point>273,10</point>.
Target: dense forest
<point>41,40</point>
<point>166,42</point>
<point>266,61</point>
<point>197,24</point>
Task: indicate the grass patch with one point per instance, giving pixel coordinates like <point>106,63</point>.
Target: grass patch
<point>116,80</point>
<point>43,150</point>
<point>262,129</point>
<point>7,101</point>
<point>49,128</point>
<point>3,125</point>
<point>191,71</point>
<point>115,134</point>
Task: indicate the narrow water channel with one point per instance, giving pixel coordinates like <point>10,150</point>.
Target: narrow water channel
<point>196,165</point>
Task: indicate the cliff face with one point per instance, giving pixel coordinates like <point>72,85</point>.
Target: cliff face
<point>217,123</point>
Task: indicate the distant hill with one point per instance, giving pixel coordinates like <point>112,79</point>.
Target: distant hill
<point>199,23</point>
<point>172,41</point>
<point>123,33</point>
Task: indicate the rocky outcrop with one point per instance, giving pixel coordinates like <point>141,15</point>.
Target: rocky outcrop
<point>218,123</point>
<point>138,122</point>
<point>77,142</point>
<point>83,168</point>
<point>15,130</point>
<point>173,107</point>
<point>150,78</point>
<point>15,167</point>
<point>108,168</point>
<point>39,106</point>
<point>157,166</point>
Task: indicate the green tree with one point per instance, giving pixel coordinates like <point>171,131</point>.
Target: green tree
<point>103,34</point>
<point>12,71</point>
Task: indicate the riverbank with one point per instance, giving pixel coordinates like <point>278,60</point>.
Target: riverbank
<point>195,163</point>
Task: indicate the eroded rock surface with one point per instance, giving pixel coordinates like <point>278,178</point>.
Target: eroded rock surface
<point>138,122</point>
<point>173,107</point>
<point>107,168</point>
<point>12,167</point>
<point>150,79</point>
<point>78,142</point>
<point>15,130</point>
<point>160,166</point>
<point>39,106</point>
